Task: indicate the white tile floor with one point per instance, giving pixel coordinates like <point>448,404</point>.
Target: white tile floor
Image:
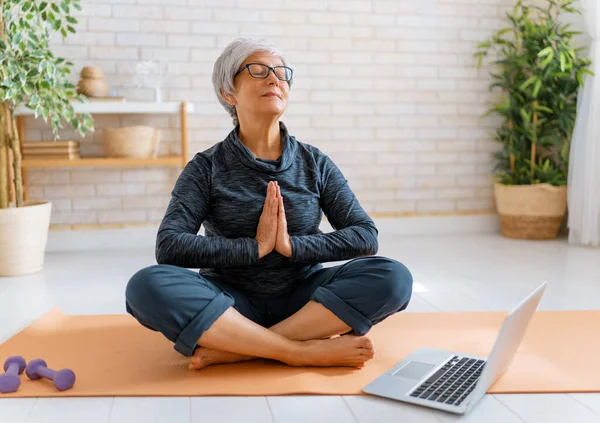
<point>452,273</point>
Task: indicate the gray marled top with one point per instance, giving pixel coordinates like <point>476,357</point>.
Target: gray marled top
<point>225,188</point>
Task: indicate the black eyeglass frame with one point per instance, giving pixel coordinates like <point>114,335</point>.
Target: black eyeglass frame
<point>271,68</point>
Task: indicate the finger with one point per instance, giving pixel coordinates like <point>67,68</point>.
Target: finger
<point>275,204</point>
<point>272,193</point>
<point>268,198</point>
<point>282,212</point>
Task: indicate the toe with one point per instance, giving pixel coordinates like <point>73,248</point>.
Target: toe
<point>366,343</point>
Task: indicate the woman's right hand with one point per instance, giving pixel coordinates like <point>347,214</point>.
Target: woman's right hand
<point>266,232</point>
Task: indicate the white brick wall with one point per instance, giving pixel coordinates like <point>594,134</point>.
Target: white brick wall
<point>382,86</point>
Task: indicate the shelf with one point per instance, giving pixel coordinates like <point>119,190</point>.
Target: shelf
<point>113,107</point>
<point>103,162</point>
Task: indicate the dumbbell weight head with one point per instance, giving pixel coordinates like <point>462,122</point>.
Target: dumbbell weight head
<point>10,381</point>
<point>63,379</point>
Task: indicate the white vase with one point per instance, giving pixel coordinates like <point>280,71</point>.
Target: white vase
<point>23,238</point>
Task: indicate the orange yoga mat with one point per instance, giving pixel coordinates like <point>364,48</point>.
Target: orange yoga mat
<point>113,355</point>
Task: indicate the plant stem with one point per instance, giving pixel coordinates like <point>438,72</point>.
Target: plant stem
<point>4,200</point>
<point>534,139</point>
<point>512,155</point>
<point>16,149</point>
<point>3,163</point>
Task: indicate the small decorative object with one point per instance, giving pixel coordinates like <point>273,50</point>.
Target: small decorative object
<point>132,141</point>
<point>92,82</point>
<point>152,74</point>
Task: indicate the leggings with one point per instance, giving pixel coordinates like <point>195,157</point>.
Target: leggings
<point>182,303</point>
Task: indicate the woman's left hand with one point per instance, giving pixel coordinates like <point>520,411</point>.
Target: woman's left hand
<point>282,245</point>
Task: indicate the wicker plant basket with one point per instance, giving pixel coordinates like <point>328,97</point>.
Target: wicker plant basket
<point>23,238</point>
<point>531,211</point>
<point>132,141</point>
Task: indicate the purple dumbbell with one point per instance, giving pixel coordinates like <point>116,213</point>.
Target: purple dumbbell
<point>63,379</point>
<point>10,381</point>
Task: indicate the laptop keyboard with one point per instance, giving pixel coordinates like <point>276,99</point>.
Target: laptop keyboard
<point>453,382</point>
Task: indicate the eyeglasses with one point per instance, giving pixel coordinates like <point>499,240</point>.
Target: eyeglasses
<point>258,70</point>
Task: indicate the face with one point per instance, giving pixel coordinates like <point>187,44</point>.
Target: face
<point>256,96</point>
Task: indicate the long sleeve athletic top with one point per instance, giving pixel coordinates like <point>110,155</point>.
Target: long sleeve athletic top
<point>224,188</point>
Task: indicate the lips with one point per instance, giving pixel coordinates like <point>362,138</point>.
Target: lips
<point>272,95</point>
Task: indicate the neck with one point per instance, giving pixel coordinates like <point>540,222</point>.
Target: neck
<point>262,138</point>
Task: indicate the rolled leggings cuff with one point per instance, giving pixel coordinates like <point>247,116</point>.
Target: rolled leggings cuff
<point>186,341</point>
<point>345,312</point>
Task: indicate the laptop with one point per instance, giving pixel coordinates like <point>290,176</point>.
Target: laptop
<point>451,381</point>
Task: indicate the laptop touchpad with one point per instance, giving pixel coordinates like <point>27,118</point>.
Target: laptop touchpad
<point>414,370</point>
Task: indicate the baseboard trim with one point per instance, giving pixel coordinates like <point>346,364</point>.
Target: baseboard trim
<point>145,236</point>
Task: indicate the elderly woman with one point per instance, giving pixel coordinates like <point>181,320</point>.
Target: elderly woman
<point>261,289</point>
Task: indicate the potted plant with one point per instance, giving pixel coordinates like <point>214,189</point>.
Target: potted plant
<point>31,76</point>
<point>539,73</point>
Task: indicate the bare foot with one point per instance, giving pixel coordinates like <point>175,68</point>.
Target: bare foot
<point>346,350</point>
<point>205,357</point>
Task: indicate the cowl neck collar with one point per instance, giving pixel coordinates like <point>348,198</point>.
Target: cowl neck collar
<point>288,145</point>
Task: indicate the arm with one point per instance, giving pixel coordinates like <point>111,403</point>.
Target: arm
<point>177,241</point>
<point>355,233</point>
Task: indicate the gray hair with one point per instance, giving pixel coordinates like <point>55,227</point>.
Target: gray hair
<point>231,60</point>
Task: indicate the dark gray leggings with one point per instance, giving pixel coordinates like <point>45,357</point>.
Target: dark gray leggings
<point>182,304</point>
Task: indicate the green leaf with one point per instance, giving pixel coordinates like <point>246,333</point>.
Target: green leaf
<point>544,108</point>
<point>77,6</point>
<point>29,16</point>
<point>545,51</point>
<point>71,29</point>
<point>528,82</point>
<point>26,6</point>
<point>2,45</point>
<point>42,6</point>
<point>547,60</point>
<point>562,61</point>
<point>71,20</point>
<point>55,7</point>
<point>64,6</point>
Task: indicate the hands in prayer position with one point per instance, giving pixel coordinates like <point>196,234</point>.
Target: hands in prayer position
<point>272,233</point>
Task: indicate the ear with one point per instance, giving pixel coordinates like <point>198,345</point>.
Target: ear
<point>228,98</point>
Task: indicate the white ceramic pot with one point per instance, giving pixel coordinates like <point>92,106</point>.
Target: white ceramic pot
<point>23,238</point>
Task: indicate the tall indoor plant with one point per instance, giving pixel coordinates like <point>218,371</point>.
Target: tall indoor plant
<point>31,76</point>
<point>539,73</point>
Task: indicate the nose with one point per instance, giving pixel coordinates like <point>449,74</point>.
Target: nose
<point>272,78</point>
